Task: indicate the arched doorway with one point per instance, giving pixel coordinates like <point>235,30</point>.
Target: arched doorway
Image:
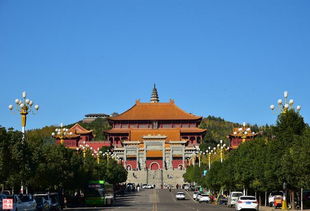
<point>154,166</point>
<point>129,167</point>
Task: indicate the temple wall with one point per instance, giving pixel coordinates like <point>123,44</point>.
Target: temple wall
<point>132,163</point>
<point>176,163</point>
<point>150,162</point>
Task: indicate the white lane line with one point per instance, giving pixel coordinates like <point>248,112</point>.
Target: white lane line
<point>190,196</point>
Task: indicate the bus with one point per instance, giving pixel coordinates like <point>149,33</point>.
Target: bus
<point>96,192</point>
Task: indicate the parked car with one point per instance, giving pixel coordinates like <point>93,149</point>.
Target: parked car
<point>185,187</point>
<point>198,196</point>
<point>233,198</point>
<point>195,194</point>
<point>44,202</point>
<point>146,186</point>
<point>180,195</point>
<point>23,202</point>
<point>272,196</point>
<point>247,202</point>
<point>55,202</point>
<point>204,198</point>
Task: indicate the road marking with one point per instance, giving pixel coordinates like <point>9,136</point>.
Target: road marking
<point>190,196</point>
<point>154,201</point>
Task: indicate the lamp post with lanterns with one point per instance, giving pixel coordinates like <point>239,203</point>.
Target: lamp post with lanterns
<point>222,147</point>
<point>244,132</point>
<point>285,105</point>
<point>24,107</point>
<point>209,153</point>
<point>61,133</point>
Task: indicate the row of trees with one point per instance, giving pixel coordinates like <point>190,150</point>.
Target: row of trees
<point>280,156</point>
<point>41,165</point>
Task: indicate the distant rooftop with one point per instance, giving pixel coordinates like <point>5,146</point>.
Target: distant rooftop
<point>97,115</point>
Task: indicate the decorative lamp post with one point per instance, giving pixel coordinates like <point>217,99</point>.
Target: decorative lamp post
<point>209,152</point>
<point>244,132</point>
<point>24,107</point>
<point>285,105</point>
<point>222,147</point>
<point>61,133</point>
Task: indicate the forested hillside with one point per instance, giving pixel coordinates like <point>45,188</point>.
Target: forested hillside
<point>218,129</point>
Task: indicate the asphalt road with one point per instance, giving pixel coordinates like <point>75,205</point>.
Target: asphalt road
<point>156,200</point>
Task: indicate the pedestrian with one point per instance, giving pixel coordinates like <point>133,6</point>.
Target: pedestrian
<point>177,186</point>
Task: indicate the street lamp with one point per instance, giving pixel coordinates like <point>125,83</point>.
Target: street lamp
<point>284,106</point>
<point>209,152</point>
<point>24,106</point>
<point>221,146</point>
<point>244,132</point>
<point>61,133</point>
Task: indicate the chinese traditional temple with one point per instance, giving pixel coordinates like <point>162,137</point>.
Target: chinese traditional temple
<point>155,135</point>
<point>76,136</point>
<point>241,135</point>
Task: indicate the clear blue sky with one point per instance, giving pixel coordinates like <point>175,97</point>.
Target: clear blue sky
<point>224,58</point>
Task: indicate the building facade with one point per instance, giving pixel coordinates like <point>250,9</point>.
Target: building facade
<point>155,136</point>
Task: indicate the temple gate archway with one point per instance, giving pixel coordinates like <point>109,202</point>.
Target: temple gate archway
<point>154,166</point>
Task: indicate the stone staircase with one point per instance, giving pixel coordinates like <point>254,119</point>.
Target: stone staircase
<point>156,177</point>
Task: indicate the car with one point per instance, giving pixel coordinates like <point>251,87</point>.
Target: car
<point>198,196</point>
<point>44,202</point>
<point>185,187</point>
<point>233,198</point>
<point>272,195</point>
<point>246,202</point>
<point>195,194</point>
<point>204,198</point>
<point>23,202</point>
<point>180,195</point>
<point>55,202</point>
<point>149,186</point>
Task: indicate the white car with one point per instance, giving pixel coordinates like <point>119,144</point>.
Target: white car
<point>204,198</point>
<point>180,195</point>
<point>198,196</point>
<point>233,198</point>
<point>146,186</point>
<point>247,202</point>
<point>195,194</point>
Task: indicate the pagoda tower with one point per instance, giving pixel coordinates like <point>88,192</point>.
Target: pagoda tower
<point>154,97</point>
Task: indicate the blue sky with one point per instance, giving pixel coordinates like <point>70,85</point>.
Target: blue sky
<point>224,58</point>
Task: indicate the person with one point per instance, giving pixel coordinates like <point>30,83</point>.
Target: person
<point>177,186</point>
<point>169,188</point>
<point>138,187</point>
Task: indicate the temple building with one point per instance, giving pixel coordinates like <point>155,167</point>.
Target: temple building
<point>240,135</point>
<point>155,135</point>
<point>76,136</point>
<point>92,117</point>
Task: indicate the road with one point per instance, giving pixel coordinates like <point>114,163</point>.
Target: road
<point>156,200</point>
